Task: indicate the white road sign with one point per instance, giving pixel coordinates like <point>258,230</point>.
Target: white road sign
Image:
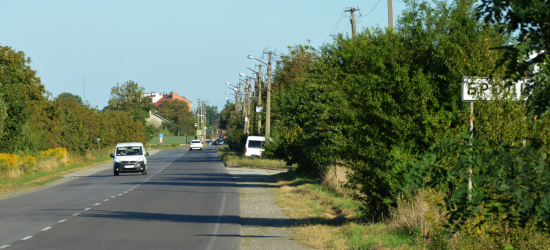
<point>480,89</point>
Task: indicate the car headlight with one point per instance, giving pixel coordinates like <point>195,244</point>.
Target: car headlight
<point>141,159</point>
<point>117,160</point>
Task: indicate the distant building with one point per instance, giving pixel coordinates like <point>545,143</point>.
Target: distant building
<point>158,98</point>
<point>155,120</point>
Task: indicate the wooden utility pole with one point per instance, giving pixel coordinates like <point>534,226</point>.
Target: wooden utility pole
<point>259,97</point>
<point>268,110</point>
<point>390,15</point>
<point>352,20</point>
<point>198,118</point>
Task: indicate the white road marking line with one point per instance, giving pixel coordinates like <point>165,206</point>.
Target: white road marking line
<point>26,238</point>
<point>4,246</point>
<point>86,209</point>
<point>106,200</point>
<point>125,192</point>
<point>46,229</point>
<point>113,196</point>
<point>216,228</point>
<point>76,214</point>
<point>119,194</point>
<point>62,220</point>
<point>97,204</point>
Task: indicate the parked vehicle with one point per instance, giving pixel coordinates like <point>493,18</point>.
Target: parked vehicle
<point>209,142</point>
<point>254,146</point>
<point>130,157</point>
<point>195,144</point>
<point>219,141</point>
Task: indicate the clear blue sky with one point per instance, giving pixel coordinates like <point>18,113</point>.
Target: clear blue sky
<point>189,47</point>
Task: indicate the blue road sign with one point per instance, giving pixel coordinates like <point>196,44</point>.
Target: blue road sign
<point>161,135</point>
<point>98,139</point>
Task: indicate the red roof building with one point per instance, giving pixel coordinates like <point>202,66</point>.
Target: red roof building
<point>158,98</point>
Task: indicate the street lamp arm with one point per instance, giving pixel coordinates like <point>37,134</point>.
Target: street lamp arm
<point>251,57</point>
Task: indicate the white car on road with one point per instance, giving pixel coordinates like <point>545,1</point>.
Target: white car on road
<point>195,144</point>
<point>130,157</point>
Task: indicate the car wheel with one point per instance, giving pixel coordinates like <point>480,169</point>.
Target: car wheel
<point>115,173</point>
<point>144,172</point>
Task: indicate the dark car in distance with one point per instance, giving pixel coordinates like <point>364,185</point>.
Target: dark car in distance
<point>219,141</point>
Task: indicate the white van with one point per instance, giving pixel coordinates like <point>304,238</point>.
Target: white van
<point>130,157</point>
<point>254,146</point>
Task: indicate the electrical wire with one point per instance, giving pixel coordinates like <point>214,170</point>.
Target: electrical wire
<point>373,8</point>
<point>335,28</point>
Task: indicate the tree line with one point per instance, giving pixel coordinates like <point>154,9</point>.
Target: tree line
<point>32,120</point>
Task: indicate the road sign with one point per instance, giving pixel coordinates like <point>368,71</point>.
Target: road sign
<point>161,135</point>
<point>98,139</point>
<point>199,132</point>
<point>481,89</point>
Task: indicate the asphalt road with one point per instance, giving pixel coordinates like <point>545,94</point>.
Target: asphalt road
<point>187,201</point>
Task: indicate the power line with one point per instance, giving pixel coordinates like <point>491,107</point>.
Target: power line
<point>373,8</point>
<point>335,28</point>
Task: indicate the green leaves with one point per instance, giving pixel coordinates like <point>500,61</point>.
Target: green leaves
<point>510,184</point>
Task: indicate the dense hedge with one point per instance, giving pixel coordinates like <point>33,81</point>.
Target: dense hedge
<point>361,98</point>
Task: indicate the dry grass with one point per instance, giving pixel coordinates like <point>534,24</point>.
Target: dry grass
<point>335,178</point>
<point>418,212</point>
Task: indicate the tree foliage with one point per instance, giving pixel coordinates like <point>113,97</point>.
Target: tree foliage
<point>177,112</point>
<point>529,56</point>
<point>76,98</point>
<point>20,89</point>
<point>129,97</point>
<point>384,89</point>
<point>510,183</point>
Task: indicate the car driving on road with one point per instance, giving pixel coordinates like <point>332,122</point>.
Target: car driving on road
<point>130,157</point>
<point>195,144</point>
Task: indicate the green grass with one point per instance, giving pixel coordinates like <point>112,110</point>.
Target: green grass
<point>354,229</point>
<point>232,159</point>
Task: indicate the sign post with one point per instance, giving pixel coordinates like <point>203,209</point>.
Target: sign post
<point>160,137</point>
<point>480,89</point>
<point>98,148</point>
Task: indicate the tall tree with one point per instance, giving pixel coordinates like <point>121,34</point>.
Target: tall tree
<point>129,97</point>
<point>177,112</point>
<point>20,89</point>
<point>211,114</point>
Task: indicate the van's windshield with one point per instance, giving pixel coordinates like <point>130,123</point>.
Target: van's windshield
<point>255,144</point>
<point>133,150</point>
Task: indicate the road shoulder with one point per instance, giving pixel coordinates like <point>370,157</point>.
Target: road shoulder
<point>263,224</point>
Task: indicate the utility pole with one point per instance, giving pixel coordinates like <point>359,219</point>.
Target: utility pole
<point>352,20</point>
<point>248,102</point>
<point>268,111</point>
<point>203,117</point>
<point>390,15</point>
<point>259,97</point>
<point>198,119</point>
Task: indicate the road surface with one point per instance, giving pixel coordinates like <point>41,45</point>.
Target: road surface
<point>187,201</point>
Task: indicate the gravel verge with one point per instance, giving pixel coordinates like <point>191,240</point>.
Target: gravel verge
<point>263,224</point>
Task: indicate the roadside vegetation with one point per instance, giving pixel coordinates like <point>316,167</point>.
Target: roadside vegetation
<point>234,159</point>
<point>386,107</point>
<point>22,171</point>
